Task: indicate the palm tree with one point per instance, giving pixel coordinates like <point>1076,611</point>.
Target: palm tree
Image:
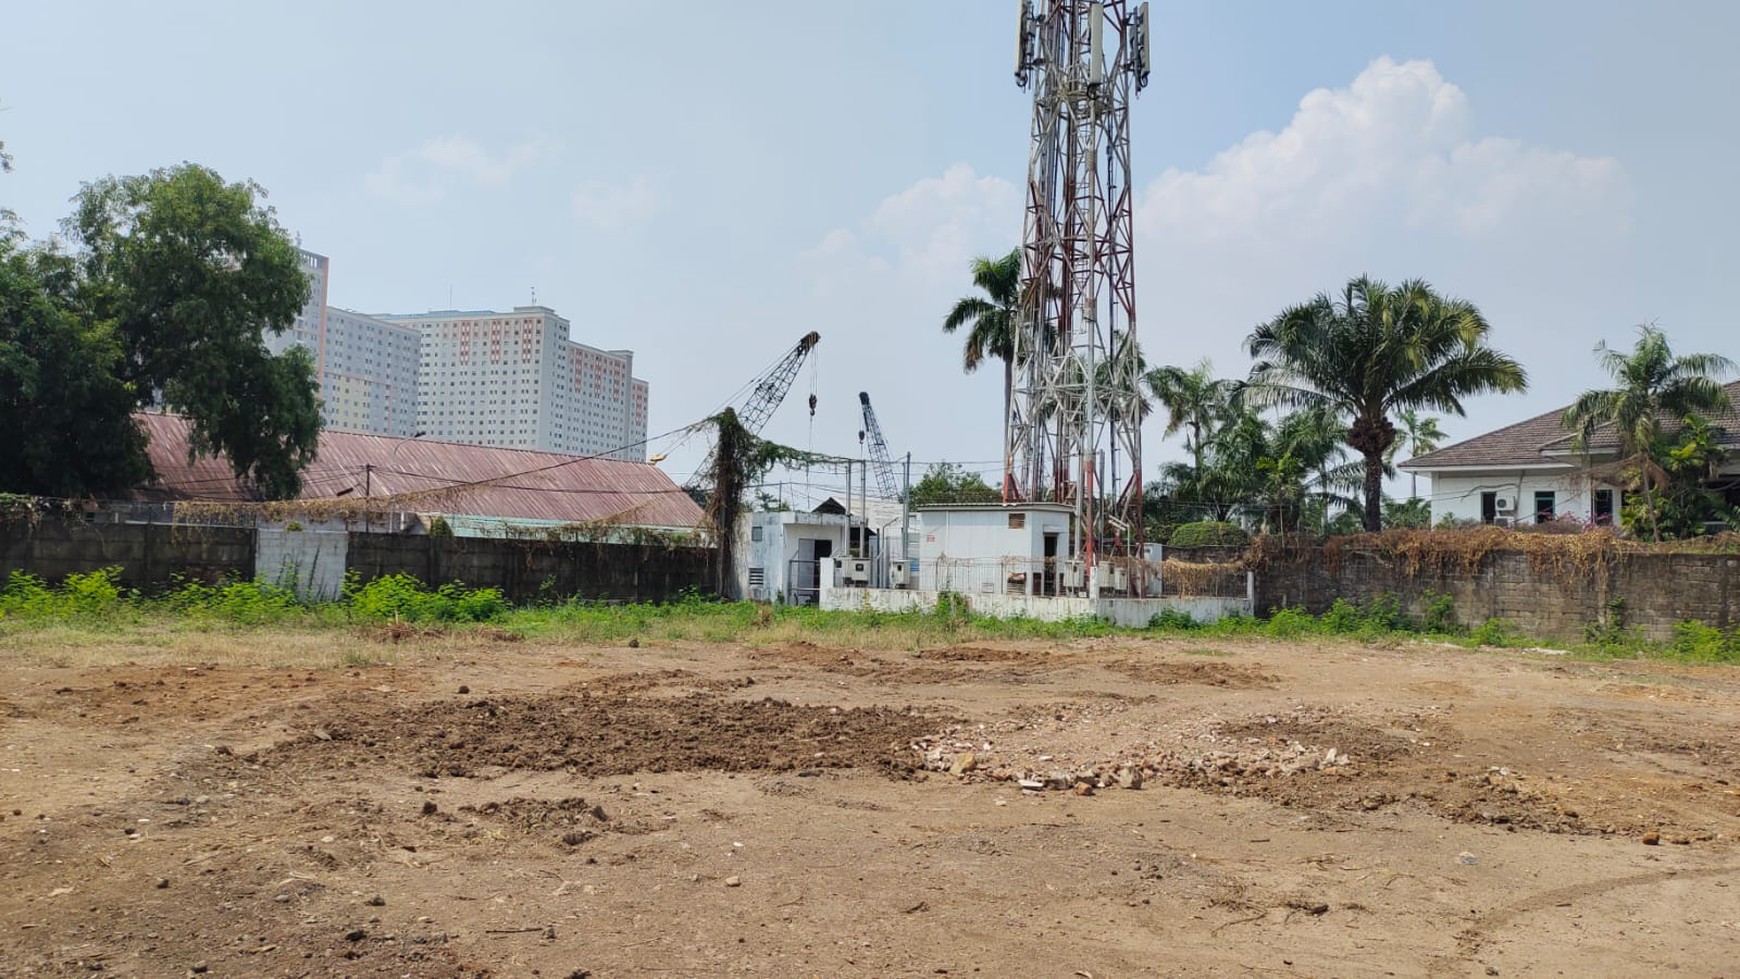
<point>995,317</point>
<point>1371,352</point>
<point>1419,435</point>
<point>1193,399</point>
<point>1654,386</point>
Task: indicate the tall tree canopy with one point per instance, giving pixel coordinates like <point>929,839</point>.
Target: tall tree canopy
<point>1654,386</point>
<point>1371,352</point>
<point>189,271</point>
<point>1193,399</point>
<point>65,414</point>
<point>994,317</point>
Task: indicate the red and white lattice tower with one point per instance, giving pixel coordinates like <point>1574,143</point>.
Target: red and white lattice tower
<point>1074,429</point>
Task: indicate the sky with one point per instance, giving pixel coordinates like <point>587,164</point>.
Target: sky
<point>703,183</point>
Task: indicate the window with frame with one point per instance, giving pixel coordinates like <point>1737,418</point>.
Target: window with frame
<point>1545,506</point>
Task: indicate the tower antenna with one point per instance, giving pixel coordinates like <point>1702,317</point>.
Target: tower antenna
<point>1073,435</point>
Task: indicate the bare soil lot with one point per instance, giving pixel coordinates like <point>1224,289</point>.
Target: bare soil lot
<point>1102,808</point>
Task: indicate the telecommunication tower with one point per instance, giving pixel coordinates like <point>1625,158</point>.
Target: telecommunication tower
<point>1073,434</point>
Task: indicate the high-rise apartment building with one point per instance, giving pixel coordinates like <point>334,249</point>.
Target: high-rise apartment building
<point>309,330</point>
<point>367,367</point>
<point>516,379</point>
<point>368,382</point>
<point>483,377</point>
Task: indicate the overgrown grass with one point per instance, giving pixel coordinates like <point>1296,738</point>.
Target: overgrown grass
<point>92,609</point>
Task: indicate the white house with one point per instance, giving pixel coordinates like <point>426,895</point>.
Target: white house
<point>1530,473</point>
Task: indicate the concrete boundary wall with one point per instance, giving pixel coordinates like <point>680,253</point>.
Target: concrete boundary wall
<point>151,556</point>
<point>529,570</point>
<point>1127,612</point>
<point>1642,591</point>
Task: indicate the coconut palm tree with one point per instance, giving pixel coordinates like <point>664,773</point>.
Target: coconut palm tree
<point>1419,435</point>
<point>1655,386</point>
<point>995,317</point>
<point>1371,352</point>
<point>1193,399</point>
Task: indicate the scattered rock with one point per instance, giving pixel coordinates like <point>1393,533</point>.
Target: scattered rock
<point>1130,777</point>
<point>1652,839</point>
<point>376,902</point>
<point>355,935</point>
<point>634,644</point>
<point>733,881</point>
<point>463,689</point>
<point>162,883</point>
<point>430,808</point>
<point>199,968</point>
<point>1083,788</point>
<point>964,762</point>
<point>1467,859</point>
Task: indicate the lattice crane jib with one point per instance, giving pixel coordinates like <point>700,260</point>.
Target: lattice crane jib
<point>766,393</point>
<point>880,463</point>
<point>1074,430</point>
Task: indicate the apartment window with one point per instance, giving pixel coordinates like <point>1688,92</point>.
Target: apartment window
<point>1544,506</point>
<point>1603,509</point>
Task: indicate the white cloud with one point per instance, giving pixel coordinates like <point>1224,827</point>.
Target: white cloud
<point>924,236</point>
<point>612,207</point>
<point>1387,175</point>
<point>1391,153</point>
<point>423,175</point>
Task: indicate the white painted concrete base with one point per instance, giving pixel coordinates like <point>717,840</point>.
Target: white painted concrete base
<point>311,562</point>
<point>1127,612</point>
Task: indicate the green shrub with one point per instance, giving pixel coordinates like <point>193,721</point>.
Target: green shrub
<point>1495,632</point>
<point>1173,619</point>
<point>1700,643</point>
<point>1291,623</point>
<point>1207,533</point>
<point>1440,614</point>
<point>400,596</point>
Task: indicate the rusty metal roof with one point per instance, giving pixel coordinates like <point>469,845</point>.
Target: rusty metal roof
<point>439,477</point>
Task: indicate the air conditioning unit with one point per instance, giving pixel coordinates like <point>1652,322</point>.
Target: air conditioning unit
<point>855,571</point>
<point>897,574</point>
<point>1505,504</point>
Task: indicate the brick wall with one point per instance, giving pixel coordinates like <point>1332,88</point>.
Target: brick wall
<point>150,556</point>
<point>1648,591</point>
<point>615,572</point>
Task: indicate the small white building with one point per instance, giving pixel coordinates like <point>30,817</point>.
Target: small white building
<point>1530,472</point>
<point>784,554</point>
<point>1020,548</point>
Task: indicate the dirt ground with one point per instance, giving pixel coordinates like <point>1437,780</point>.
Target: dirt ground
<point>1100,808</point>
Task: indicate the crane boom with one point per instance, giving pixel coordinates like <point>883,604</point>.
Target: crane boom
<point>765,394</point>
<point>879,461</point>
<point>771,387</point>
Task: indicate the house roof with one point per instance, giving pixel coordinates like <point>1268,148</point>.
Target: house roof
<point>446,477</point>
<point>1543,440</point>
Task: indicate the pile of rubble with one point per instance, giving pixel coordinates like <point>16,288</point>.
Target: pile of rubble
<point>1230,760</point>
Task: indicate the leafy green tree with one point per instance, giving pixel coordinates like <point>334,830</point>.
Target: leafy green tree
<point>65,416</point>
<point>1419,435</point>
<point>1371,352</point>
<point>1194,399</point>
<point>1655,387</point>
<point>994,318</point>
<point>945,482</point>
<point>191,270</point>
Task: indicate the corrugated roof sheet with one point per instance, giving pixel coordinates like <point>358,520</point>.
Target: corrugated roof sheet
<point>445,477</point>
<point>1543,439</point>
